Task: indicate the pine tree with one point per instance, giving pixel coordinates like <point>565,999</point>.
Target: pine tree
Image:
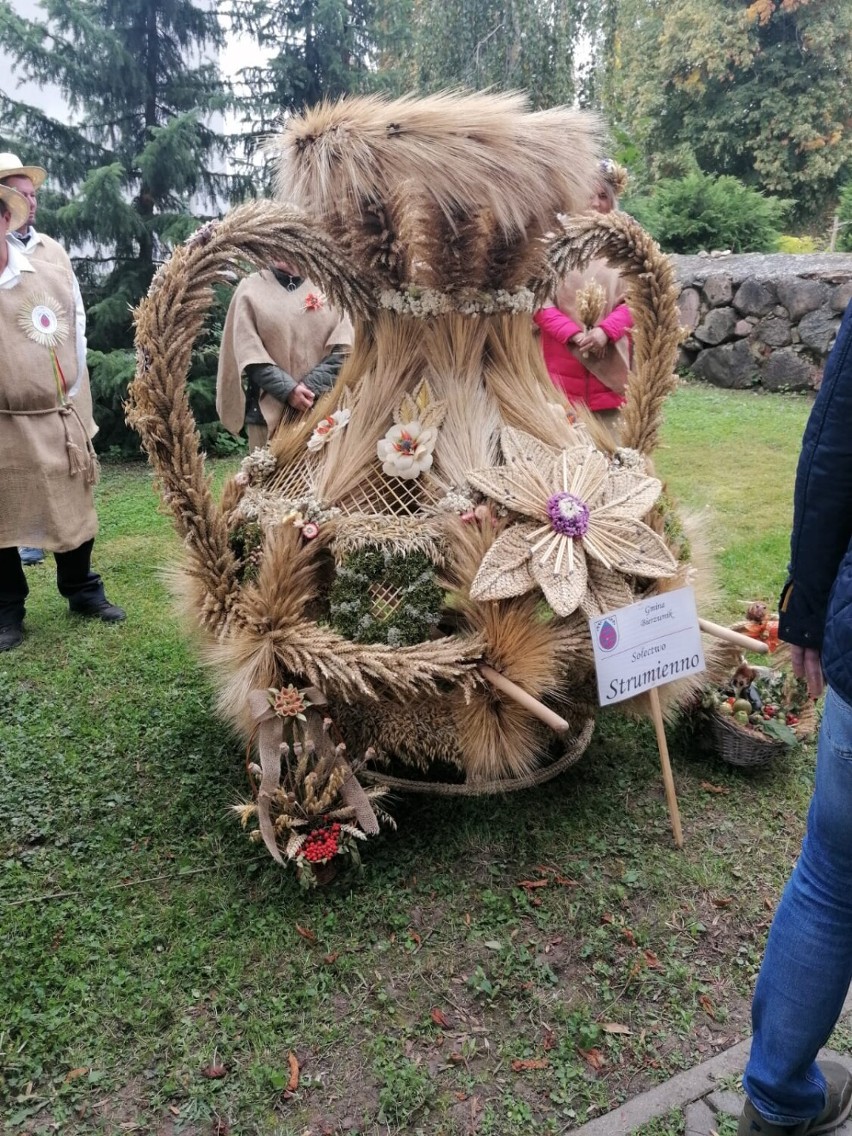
<point>317,49</point>
<point>141,160</point>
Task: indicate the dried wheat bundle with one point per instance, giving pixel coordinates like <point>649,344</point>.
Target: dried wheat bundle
<point>455,157</point>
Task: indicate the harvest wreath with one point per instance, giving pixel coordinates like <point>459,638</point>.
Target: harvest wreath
<point>422,551</point>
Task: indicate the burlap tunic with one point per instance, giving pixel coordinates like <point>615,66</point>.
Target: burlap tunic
<point>47,467</point>
<point>267,324</point>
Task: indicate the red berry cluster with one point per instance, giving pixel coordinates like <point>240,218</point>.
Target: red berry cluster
<point>322,844</point>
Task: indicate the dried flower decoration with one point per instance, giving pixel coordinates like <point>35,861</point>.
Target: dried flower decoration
<point>589,533</point>
<point>314,301</point>
<point>202,236</point>
<point>424,303</point>
<point>325,430</point>
<point>406,449</point>
<point>288,702</point>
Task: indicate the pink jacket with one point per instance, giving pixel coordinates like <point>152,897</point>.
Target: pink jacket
<point>565,369</point>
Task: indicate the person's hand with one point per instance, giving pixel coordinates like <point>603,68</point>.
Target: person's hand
<point>594,342</point>
<point>301,398</point>
<point>807,665</point>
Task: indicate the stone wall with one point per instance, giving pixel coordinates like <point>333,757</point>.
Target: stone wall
<point>760,319</point>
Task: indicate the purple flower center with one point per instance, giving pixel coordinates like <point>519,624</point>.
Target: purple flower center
<point>568,514</point>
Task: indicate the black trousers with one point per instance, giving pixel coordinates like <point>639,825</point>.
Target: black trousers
<point>74,578</point>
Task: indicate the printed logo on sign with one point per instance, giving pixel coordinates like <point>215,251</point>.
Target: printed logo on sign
<point>607,634</point>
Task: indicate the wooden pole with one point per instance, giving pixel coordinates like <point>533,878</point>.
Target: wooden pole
<point>668,779</point>
<point>524,699</point>
<point>735,637</point>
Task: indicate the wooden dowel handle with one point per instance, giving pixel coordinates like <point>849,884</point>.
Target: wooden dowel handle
<point>524,699</point>
<point>735,637</point>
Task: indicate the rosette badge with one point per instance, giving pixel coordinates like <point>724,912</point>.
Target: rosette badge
<point>43,320</point>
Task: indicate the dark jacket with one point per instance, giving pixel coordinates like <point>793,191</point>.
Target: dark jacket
<point>816,604</point>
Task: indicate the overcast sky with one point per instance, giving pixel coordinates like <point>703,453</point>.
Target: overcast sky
<point>238,53</point>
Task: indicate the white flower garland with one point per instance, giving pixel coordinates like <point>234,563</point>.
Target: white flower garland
<point>423,303</point>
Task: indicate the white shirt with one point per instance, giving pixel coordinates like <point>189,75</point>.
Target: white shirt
<point>23,251</point>
<point>17,264</point>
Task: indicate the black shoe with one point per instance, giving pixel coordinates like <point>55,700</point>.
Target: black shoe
<point>11,636</point>
<point>103,610</point>
<point>838,1081</point>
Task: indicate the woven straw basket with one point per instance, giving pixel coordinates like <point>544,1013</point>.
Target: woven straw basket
<point>745,747</point>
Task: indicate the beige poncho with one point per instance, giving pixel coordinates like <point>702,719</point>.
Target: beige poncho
<point>47,467</point>
<point>267,324</point>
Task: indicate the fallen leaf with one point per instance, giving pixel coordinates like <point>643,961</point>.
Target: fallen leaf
<point>306,934</point>
<point>707,1006</point>
<point>415,938</point>
<point>723,901</point>
<point>651,960</point>
<point>214,1072</point>
<point>467,919</point>
<point>519,1064</point>
<point>548,1041</point>
<point>73,1074</point>
<point>531,884</point>
<point>174,1110</point>
<point>566,881</point>
<point>594,1058</point>
<point>460,1096</point>
<point>456,1058</point>
<point>607,918</point>
<point>440,1018</point>
<point>629,936</point>
<point>709,787</point>
<point>293,1083</point>
<point>615,1027</point>
<point>329,959</point>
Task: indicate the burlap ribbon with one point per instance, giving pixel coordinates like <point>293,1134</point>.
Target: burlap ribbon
<point>269,732</point>
<point>270,735</point>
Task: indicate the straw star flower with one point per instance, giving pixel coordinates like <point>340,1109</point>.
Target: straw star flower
<point>584,531</point>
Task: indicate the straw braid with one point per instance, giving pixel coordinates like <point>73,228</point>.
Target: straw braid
<point>652,295</point>
<point>168,321</point>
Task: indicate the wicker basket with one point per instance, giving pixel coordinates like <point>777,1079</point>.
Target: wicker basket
<point>741,746</point>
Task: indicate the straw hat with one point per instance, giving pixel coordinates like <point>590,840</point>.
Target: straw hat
<point>10,166</point>
<point>17,204</point>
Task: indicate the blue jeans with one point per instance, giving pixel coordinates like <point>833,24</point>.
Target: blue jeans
<point>807,967</point>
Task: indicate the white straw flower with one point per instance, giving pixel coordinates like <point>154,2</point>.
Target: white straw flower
<point>406,450</point>
<point>325,430</point>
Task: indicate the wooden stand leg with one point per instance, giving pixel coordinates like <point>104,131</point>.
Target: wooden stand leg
<point>668,780</point>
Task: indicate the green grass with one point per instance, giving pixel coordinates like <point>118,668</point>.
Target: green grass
<point>144,942</point>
